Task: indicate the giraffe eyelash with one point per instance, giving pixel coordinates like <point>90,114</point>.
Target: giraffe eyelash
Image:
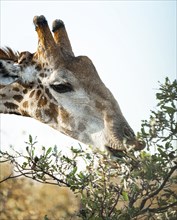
<point>62,88</point>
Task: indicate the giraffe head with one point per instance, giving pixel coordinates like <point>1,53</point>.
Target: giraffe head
<point>63,91</point>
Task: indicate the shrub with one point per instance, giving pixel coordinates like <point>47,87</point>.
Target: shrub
<point>135,185</point>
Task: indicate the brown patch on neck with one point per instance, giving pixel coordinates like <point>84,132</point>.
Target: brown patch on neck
<point>10,105</point>
<point>42,75</point>
<point>27,86</point>
<point>25,104</point>
<point>18,98</point>
<point>25,91</point>
<point>38,93</point>
<point>39,81</point>
<point>31,94</point>
<point>16,89</point>
<point>3,95</point>
<point>2,86</point>
<point>38,67</point>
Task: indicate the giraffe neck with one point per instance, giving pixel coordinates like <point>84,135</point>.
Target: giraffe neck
<point>21,91</point>
<point>12,96</point>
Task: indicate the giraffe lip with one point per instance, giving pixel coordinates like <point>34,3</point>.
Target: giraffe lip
<point>115,152</point>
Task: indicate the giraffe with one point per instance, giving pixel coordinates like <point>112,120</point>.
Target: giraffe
<point>63,91</point>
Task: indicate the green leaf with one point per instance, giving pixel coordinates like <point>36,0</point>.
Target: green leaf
<point>159,96</point>
<point>170,110</point>
<point>48,151</point>
<point>145,154</point>
<point>125,196</point>
<point>27,149</point>
<point>163,154</point>
<point>46,218</point>
<point>76,151</point>
<point>30,139</point>
<point>24,165</point>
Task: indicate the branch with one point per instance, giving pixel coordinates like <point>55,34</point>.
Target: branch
<point>55,178</point>
<point>159,189</point>
<point>160,209</point>
<point>133,200</point>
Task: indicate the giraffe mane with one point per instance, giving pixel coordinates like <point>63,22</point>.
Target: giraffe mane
<point>8,54</point>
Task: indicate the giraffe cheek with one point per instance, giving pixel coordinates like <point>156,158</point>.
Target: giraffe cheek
<point>66,122</point>
<point>81,127</point>
<point>50,113</point>
<point>54,111</point>
<point>65,116</point>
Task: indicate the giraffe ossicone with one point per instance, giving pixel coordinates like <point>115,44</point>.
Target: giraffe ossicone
<point>63,91</point>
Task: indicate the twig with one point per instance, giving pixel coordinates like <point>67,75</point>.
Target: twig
<point>116,201</point>
<point>13,177</point>
<point>4,161</point>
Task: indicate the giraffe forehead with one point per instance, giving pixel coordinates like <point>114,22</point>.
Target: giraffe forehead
<point>28,75</point>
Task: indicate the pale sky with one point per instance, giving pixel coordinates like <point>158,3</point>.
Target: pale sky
<point>131,43</point>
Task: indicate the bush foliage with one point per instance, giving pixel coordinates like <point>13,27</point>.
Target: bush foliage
<point>134,185</point>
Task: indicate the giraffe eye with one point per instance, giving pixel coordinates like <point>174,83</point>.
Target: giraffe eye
<point>62,88</point>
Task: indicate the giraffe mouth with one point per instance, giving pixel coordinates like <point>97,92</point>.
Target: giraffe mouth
<point>115,152</point>
<point>122,140</point>
<point>120,148</point>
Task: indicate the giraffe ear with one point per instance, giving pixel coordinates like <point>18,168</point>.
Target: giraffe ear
<point>61,37</point>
